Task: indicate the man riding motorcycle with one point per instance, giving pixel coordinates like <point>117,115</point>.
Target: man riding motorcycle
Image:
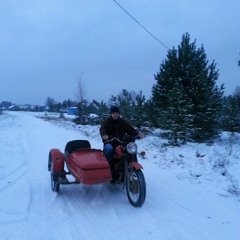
<point>114,126</point>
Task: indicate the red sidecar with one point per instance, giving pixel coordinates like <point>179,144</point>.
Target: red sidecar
<point>85,164</point>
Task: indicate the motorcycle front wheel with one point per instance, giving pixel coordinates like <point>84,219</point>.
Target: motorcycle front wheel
<point>136,188</point>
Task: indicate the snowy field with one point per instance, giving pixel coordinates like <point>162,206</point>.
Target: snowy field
<point>192,191</point>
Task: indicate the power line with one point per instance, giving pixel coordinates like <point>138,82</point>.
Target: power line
<point>140,24</point>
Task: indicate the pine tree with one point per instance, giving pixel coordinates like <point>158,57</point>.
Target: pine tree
<point>125,102</point>
<point>186,94</point>
<point>149,113</point>
<point>231,114</point>
<point>139,113</point>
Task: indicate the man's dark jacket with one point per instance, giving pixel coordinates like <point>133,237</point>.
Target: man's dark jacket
<point>116,128</point>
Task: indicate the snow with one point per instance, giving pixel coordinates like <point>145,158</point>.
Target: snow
<point>192,190</point>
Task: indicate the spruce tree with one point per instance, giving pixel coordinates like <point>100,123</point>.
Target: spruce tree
<point>132,106</point>
<point>139,113</point>
<point>151,112</point>
<point>231,114</point>
<point>186,94</point>
<point>125,102</point>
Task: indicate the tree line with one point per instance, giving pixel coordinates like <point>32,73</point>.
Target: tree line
<point>186,102</point>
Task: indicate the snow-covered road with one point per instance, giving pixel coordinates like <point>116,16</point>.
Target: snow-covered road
<point>175,208</point>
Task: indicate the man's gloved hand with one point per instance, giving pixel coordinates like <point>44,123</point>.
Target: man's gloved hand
<point>140,136</point>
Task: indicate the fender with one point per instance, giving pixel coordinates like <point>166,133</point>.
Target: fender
<point>118,152</point>
<point>57,159</point>
<point>136,165</point>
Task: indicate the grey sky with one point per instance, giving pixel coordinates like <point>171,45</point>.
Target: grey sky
<point>45,46</point>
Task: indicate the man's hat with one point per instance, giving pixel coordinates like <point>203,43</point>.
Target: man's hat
<point>114,109</point>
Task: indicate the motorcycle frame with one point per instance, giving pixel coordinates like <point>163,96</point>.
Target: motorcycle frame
<point>129,161</point>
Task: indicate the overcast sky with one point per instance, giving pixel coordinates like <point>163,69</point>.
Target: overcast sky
<point>47,46</point>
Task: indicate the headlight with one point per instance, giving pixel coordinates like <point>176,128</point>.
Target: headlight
<point>132,148</point>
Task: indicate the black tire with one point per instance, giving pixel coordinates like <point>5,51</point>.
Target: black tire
<point>49,161</point>
<point>55,184</point>
<point>136,188</point>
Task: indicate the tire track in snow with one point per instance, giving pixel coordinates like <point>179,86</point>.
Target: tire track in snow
<point>15,172</point>
<point>86,207</point>
<point>36,190</point>
<point>37,165</point>
<point>12,177</point>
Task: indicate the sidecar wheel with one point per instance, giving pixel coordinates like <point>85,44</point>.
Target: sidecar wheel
<point>55,185</point>
<point>136,188</point>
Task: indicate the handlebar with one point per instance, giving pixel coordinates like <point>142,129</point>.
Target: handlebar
<point>114,140</point>
<point>123,140</point>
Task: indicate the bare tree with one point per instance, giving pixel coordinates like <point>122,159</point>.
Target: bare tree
<point>80,95</point>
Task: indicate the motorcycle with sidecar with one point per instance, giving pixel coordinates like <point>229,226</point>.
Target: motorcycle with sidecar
<point>89,166</point>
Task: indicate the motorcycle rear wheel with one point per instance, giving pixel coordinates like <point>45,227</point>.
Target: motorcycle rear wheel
<point>136,188</point>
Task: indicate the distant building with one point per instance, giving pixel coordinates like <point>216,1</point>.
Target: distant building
<point>72,111</point>
<point>12,108</point>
